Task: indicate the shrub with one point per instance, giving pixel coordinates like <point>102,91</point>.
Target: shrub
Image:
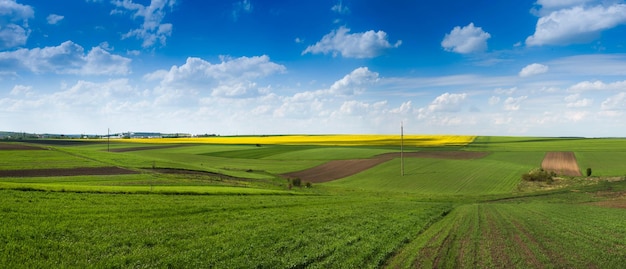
<point>297,182</point>
<point>588,172</point>
<point>539,175</point>
<point>308,184</point>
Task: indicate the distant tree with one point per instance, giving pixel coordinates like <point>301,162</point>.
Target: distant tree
<point>588,172</point>
<point>297,182</point>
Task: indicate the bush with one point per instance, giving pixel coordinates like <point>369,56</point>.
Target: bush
<point>296,182</point>
<point>588,172</point>
<point>539,175</point>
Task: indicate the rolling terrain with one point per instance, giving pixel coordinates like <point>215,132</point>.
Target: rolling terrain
<point>239,205</point>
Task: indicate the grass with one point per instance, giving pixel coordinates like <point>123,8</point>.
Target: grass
<point>496,173</point>
<point>522,234</point>
<point>86,230</point>
<point>442,213</point>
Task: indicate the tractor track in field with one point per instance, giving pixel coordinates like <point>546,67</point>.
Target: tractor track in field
<point>337,169</point>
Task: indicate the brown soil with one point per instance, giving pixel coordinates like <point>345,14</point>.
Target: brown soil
<point>61,172</point>
<point>145,148</point>
<point>616,203</point>
<point>342,168</point>
<point>562,163</point>
<point>11,146</point>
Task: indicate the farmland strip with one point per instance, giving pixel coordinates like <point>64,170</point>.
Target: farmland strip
<point>78,171</point>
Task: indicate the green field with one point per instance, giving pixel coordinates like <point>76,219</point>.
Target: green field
<point>227,206</point>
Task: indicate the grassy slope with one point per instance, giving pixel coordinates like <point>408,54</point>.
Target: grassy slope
<point>42,230</point>
<point>562,230</point>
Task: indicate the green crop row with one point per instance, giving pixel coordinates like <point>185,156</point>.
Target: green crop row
<point>45,229</point>
<point>521,235</point>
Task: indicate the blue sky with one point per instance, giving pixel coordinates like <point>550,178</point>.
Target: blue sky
<point>540,67</point>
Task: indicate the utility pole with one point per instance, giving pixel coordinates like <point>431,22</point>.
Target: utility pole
<point>108,139</point>
<point>401,148</point>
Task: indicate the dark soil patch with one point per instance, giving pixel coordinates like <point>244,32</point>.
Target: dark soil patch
<point>145,148</point>
<point>61,172</point>
<point>193,172</point>
<point>63,142</point>
<point>343,168</point>
<point>11,146</point>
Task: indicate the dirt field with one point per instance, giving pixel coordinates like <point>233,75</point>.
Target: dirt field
<point>562,163</point>
<point>12,146</point>
<point>61,172</point>
<point>342,168</point>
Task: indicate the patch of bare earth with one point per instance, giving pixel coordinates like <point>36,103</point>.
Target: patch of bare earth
<point>343,168</point>
<point>562,163</point>
<point>11,146</point>
<point>61,172</point>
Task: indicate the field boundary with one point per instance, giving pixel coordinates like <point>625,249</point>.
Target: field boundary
<point>337,169</point>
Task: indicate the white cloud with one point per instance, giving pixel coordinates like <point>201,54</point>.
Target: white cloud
<point>533,69</point>
<point>464,40</point>
<point>151,30</point>
<point>67,58</point>
<point>340,8</point>
<point>598,86</point>
<point>615,102</point>
<point>14,24</point>
<point>230,78</point>
<point>447,102</point>
<point>514,103</point>
<point>358,45</point>
<point>54,18</point>
<point>578,24</point>
<point>575,101</point>
<point>355,82</point>
<point>240,7</point>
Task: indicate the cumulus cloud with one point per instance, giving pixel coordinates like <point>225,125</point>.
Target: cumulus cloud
<point>241,7</point>
<point>152,29</point>
<point>575,101</point>
<point>355,82</point>
<point>54,18</point>
<point>230,78</point>
<point>357,45</point>
<point>464,40</point>
<point>14,24</point>
<point>533,69</point>
<point>514,103</point>
<point>447,102</point>
<point>578,24</point>
<point>615,102</point>
<point>67,58</point>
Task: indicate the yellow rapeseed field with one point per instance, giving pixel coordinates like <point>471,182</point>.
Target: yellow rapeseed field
<point>323,140</point>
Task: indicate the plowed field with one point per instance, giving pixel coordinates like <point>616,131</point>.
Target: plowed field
<point>60,172</point>
<point>562,163</point>
<point>342,168</point>
<point>11,146</point>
